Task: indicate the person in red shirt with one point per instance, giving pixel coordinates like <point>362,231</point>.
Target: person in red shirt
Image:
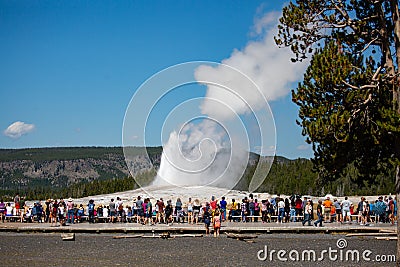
<point>299,206</point>
<point>213,203</point>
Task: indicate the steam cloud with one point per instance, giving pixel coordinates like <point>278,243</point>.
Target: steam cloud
<point>208,153</point>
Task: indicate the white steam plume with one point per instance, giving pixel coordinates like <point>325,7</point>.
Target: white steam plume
<point>262,61</point>
<point>200,154</point>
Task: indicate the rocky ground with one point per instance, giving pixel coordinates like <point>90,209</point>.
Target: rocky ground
<point>38,249</point>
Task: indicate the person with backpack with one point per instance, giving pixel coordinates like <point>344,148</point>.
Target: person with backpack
<point>207,217</point>
<point>223,204</point>
<point>39,212</point>
<point>168,213</point>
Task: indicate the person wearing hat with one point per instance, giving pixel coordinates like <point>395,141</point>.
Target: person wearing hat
<point>70,211</point>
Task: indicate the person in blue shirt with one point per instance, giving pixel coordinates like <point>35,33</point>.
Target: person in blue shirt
<point>91,211</point>
<point>222,205</point>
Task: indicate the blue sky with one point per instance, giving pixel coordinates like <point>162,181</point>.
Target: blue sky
<point>69,69</point>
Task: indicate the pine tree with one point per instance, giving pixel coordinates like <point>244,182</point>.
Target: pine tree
<point>350,97</point>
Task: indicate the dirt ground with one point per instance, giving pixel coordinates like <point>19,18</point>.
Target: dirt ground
<point>38,249</point>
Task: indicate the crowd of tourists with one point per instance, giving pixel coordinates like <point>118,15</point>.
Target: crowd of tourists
<point>213,212</point>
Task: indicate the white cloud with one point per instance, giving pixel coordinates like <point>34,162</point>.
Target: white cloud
<point>18,128</point>
<point>263,62</point>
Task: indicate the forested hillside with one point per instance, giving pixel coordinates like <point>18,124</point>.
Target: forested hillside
<point>81,171</point>
<point>36,171</point>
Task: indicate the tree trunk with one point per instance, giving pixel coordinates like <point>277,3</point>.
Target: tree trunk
<point>398,208</point>
<point>394,6</point>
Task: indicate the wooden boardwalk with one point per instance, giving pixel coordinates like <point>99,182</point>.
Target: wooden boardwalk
<point>227,227</point>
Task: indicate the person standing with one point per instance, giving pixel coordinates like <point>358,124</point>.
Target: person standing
<point>298,206</point>
<point>112,210</point>
<point>196,210</point>
<point>160,211</point>
<point>217,223</point>
<point>327,209</point>
<point>61,211</point>
<point>189,206</point>
<point>17,203</point>
<point>139,209</point>
<point>307,213</point>
<point>338,208</point>
<point>281,210</point>
<point>251,209</point>
<point>213,204</point>
<point>360,209</point>
<point>179,210</point>
<point>292,212</point>
<point>91,211</point>
<point>256,210</point>
<point>244,210</point>
<point>395,208</point>
<point>168,213</point>
<point>365,214</point>
<point>223,204</point>
<point>319,214</point>
<point>234,207</point>
<point>39,212</point>
<point>346,204</point>
<point>149,212</point>
<point>70,211</point>
<point>54,213</point>
<point>207,217</point>
<point>120,209</point>
<point>2,210</point>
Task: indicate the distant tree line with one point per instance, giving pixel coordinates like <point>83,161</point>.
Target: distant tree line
<point>297,176</point>
<point>83,189</point>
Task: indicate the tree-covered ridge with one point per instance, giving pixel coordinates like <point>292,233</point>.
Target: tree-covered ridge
<point>298,176</point>
<point>69,153</point>
<point>57,168</point>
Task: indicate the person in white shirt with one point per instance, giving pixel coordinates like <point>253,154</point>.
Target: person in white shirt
<point>9,210</point>
<point>346,204</point>
<point>307,213</point>
<point>281,210</point>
